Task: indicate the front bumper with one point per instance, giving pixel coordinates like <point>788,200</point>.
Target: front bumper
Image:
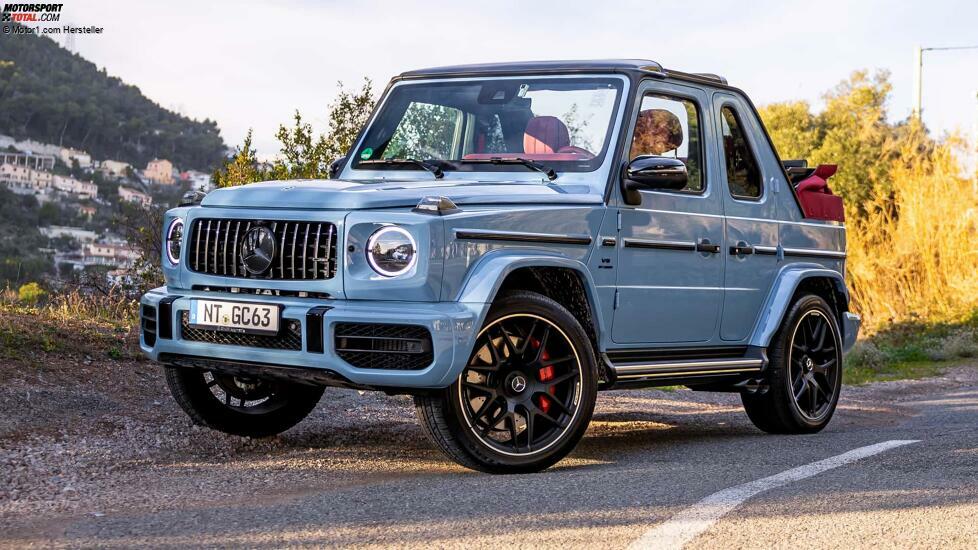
<point>453,327</point>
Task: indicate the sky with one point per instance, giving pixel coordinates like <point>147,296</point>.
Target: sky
<point>252,64</point>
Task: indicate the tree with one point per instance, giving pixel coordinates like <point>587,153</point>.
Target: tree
<point>851,132</point>
<point>303,155</point>
<point>240,169</point>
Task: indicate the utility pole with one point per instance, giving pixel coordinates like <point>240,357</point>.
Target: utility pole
<point>918,73</point>
<point>918,66</point>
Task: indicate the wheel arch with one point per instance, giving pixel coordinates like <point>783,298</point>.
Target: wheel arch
<point>795,279</point>
<point>565,280</point>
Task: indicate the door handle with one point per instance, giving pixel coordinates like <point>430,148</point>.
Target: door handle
<point>741,249</point>
<point>704,245</point>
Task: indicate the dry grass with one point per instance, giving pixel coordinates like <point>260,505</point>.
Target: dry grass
<point>912,256</point>
<point>72,324</point>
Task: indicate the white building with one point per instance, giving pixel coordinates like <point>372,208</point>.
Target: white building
<point>37,162</point>
<point>26,181</point>
<point>197,180</point>
<point>132,195</point>
<point>113,254</point>
<point>81,189</point>
<point>77,233</point>
<point>114,168</point>
<point>69,155</point>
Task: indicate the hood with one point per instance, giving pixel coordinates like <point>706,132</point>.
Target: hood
<point>350,195</point>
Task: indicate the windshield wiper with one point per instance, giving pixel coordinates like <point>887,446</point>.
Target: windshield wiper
<point>434,169</point>
<point>531,164</point>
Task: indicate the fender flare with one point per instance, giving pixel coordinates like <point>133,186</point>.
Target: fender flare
<point>485,278</point>
<point>779,300</point>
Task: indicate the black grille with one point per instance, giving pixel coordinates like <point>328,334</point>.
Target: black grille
<point>377,346</point>
<point>289,336</point>
<point>304,250</point>
<point>148,315</point>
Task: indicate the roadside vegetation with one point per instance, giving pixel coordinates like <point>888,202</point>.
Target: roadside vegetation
<point>913,278</point>
<point>73,324</point>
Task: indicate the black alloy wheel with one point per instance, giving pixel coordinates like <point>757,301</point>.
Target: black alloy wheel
<point>522,386</point>
<point>803,378</point>
<point>244,394</point>
<point>813,366</point>
<point>526,394</point>
<point>240,405</point>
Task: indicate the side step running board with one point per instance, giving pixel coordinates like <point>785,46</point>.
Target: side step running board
<point>665,366</point>
<point>663,369</point>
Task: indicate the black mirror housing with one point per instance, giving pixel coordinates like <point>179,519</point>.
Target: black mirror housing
<point>654,173</point>
<point>334,167</point>
<point>192,197</point>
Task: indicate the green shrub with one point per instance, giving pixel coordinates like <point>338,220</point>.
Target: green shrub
<point>867,356</point>
<point>961,343</point>
<point>31,293</point>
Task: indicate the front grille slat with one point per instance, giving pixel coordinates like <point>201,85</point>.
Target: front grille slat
<point>305,251</point>
<point>207,242</point>
<point>218,243</point>
<point>234,250</point>
<point>227,233</point>
<point>281,253</point>
<point>315,253</point>
<point>295,234</point>
<point>328,266</point>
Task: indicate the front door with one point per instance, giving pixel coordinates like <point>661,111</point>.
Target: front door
<point>751,218</point>
<point>670,269</point>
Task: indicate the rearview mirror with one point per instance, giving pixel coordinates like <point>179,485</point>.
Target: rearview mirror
<point>648,172</point>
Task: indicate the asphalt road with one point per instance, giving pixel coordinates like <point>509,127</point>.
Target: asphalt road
<point>357,473</point>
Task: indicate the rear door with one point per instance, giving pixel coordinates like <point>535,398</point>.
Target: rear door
<point>752,238</point>
<point>669,273</point>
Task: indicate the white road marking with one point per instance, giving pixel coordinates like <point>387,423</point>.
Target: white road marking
<point>690,523</point>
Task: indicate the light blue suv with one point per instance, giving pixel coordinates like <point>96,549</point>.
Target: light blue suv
<point>502,242</point>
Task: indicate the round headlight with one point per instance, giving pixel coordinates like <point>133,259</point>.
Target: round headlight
<point>174,238</point>
<point>391,251</point>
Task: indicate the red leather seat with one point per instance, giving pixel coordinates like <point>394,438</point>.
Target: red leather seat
<point>817,200</point>
<point>545,135</point>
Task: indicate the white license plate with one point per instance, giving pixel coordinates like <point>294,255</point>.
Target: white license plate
<point>239,317</point>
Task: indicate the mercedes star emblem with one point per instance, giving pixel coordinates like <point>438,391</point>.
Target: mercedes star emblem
<point>257,250</point>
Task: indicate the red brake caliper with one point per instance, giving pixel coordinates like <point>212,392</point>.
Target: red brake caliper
<point>545,374</point>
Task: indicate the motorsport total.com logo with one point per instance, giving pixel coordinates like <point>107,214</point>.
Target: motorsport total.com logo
<point>31,13</point>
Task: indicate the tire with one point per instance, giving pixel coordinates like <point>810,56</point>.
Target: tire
<point>533,368</point>
<point>804,375</point>
<point>208,398</point>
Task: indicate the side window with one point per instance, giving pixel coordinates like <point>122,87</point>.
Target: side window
<point>743,174</point>
<point>670,127</point>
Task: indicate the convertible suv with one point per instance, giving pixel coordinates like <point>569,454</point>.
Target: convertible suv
<point>502,242</point>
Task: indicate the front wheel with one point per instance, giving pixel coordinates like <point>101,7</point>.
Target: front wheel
<point>805,372</point>
<point>240,405</point>
<point>526,395</point>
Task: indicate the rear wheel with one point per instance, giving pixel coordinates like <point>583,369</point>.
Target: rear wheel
<point>240,405</point>
<point>804,374</point>
<point>526,395</point>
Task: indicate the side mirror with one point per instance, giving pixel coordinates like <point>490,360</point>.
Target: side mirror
<point>648,172</point>
<point>192,197</point>
<point>334,167</point>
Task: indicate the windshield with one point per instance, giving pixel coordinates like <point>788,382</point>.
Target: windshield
<point>559,123</point>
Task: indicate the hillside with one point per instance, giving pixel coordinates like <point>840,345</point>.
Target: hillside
<point>54,96</point>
